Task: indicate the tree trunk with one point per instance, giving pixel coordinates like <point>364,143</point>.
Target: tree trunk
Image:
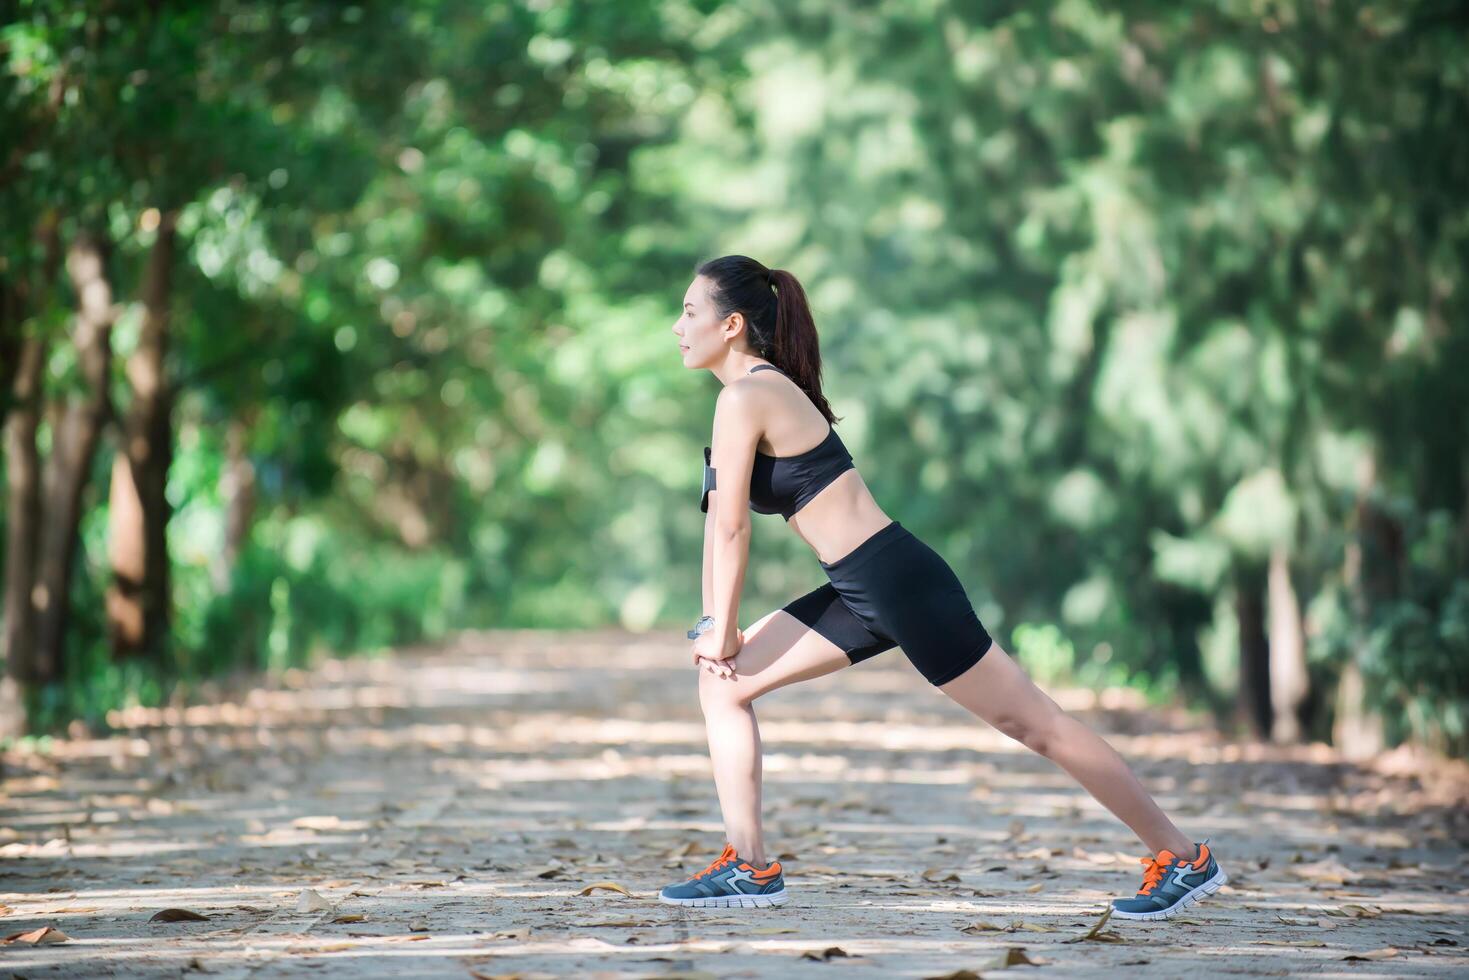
<point>138,512</point>
<point>237,486</point>
<point>23,511</point>
<point>18,288</point>
<point>1372,571</point>
<point>10,341</point>
<point>22,373</point>
<point>74,441</point>
<point>1356,729</point>
<point>1289,682</point>
<point>1254,651</point>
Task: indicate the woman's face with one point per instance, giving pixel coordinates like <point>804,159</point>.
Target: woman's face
<point>700,339</point>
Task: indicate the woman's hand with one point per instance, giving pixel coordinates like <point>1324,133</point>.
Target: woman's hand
<point>717,659</point>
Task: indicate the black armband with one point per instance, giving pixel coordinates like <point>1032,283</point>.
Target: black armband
<point>708,482</point>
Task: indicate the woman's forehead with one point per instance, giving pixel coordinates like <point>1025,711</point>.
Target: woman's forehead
<point>697,291</point>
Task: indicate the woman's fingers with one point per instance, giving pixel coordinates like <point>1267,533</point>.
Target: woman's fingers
<point>719,668</point>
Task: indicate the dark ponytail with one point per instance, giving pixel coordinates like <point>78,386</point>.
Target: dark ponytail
<point>780,326</point>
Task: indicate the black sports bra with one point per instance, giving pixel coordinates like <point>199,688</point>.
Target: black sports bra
<point>783,484</point>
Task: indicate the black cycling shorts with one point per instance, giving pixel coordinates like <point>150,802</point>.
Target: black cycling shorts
<point>894,590</point>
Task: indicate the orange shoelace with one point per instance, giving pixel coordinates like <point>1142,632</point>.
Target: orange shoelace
<point>724,858</point>
<point>1152,874</point>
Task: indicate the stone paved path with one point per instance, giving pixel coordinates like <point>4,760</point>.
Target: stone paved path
<point>439,813</point>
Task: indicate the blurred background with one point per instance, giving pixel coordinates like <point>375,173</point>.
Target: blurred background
<point>330,327</point>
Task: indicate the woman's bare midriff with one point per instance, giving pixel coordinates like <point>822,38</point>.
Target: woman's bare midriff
<point>839,518</point>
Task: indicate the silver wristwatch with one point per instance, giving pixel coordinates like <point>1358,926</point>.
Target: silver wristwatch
<point>704,625</point>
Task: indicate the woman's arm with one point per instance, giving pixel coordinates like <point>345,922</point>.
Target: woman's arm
<point>736,434</point>
<point>731,555</point>
<point>709,557</point>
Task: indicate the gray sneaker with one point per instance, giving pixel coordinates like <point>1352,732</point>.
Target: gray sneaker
<point>729,882</point>
<point>1171,884</point>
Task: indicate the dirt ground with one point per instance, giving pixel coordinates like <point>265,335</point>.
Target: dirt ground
<point>447,813</point>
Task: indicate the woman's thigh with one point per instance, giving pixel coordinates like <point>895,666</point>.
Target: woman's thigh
<point>1000,693</point>
<point>779,649</point>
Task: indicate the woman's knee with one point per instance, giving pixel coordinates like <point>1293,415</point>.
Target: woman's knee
<point>1035,730</point>
<point>717,693</point>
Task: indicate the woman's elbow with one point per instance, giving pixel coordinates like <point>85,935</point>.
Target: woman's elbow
<point>730,529</point>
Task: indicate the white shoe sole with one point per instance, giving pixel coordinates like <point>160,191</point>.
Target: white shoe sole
<point>1207,888</point>
<point>729,901</point>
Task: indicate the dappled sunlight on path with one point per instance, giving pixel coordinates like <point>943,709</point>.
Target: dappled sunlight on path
<point>441,812</point>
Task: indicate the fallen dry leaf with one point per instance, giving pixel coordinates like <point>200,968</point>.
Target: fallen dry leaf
<point>44,936</point>
<point>608,885</point>
<point>1095,933</point>
<point>824,954</point>
<point>317,823</point>
<point>328,948</point>
<point>1330,871</point>
<point>1321,923</point>
<point>1387,952</point>
<point>177,915</point>
<point>312,901</point>
<point>1356,912</point>
<point>350,918</point>
<point>1014,956</point>
<point>957,975</point>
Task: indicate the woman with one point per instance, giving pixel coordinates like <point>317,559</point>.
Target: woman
<point>775,451</point>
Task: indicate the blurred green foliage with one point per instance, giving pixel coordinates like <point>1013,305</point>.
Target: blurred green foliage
<point>1115,303</point>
